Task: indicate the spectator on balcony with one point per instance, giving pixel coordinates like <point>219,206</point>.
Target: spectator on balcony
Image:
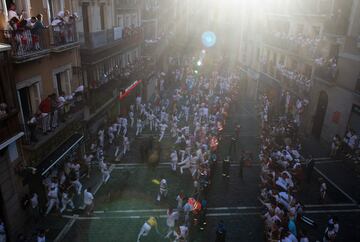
<point>32,124</point>
<point>12,12</point>
<point>2,231</point>
<point>61,101</point>
<point>45,109</point>
<point>35,28</point>
<point>57,25</point>
<point>37,24</point>
<point>54,111</point>
<point>3,110</point>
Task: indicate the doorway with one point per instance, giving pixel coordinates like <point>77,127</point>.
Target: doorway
<point>320,114</point>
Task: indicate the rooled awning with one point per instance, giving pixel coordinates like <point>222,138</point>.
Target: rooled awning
<point>128,90</point>
<point>59,154</point>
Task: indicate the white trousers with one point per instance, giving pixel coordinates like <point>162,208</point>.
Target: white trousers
<point>144,231</point>
<point>51,203</point>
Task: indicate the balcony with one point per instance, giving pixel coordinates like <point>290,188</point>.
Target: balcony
<point>294,45</point>
<point>69,121</point>
<point>336,26</point>
<point>326,73</point>
<point>116,37</point>
<point>63,37</point>
<point>103,91</point>
<point>9,126</point>
<point>28,45</point>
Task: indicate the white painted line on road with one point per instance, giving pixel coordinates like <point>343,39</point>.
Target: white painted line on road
<point>328,161</point>
<point>132,211</point>
<point>336,186</point>
<point>66,228</point>
<point>321,158</point>
<point>164,210</point>
<point>356,210</point>
<point>220,208</point>
<point>137,164</point>
<point>233,208</point>
<point>208,214</point>
<point>69,224</point>
<point>329,205</point>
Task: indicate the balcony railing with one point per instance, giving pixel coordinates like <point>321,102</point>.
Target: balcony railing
<point>113,36</point>
<point>26,43</point>
<point>63,34</point>
<point>62,117</point>
<point>115,81</point>
<point>326,73</point>
<point>9,126</point>
<point>336,26</point>
<point>292,46</point>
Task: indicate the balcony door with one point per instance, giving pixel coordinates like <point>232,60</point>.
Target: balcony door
<point>85,13</point>
<point>29,100</point>
<point>320,114</point>
<point>62,82</point>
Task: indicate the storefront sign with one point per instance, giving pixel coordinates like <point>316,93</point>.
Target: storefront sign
<point>127,91</point>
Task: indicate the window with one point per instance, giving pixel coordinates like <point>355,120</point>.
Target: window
<point>134,20</point>
<point>102,16</point>
<point>357,88</point>
<point>63,84</point>
<point>127,21</point>
<point>315,31</point>
<point>29,99</point>
<point>85,13</point>
<point>299,29</point>
<point>120,21</point>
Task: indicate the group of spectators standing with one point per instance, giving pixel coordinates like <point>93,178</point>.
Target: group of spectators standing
<point>51,110</point>
<point>25,33</point>
<point>297,80</point>
<point>326,68</point>
<point>282,175</point>
<point>121,72</point>
<point>298,42</point>
<point>348,146</point>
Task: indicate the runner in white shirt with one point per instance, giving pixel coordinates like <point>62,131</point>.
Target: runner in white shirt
<point>105,172</point>
<point>172,216</point>
<point>174,160</point>
<point>186,163</point>
<point>88,201</point>
<point>126,144</point>
<point>124,125</point>
<point>138,103</point>
<point>101,137</point>
<point>111,135</point>
<point>163,189</point>
<point>53,200</point>
<point>66,200</point>
<point>139,126</point>
<point>131,116</point>
<point>163,127</point>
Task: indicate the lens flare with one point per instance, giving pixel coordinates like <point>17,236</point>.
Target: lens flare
<point>208,39</point>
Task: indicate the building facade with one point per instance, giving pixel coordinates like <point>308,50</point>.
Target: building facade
<point>11,157</point>
<point>307,50</point>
